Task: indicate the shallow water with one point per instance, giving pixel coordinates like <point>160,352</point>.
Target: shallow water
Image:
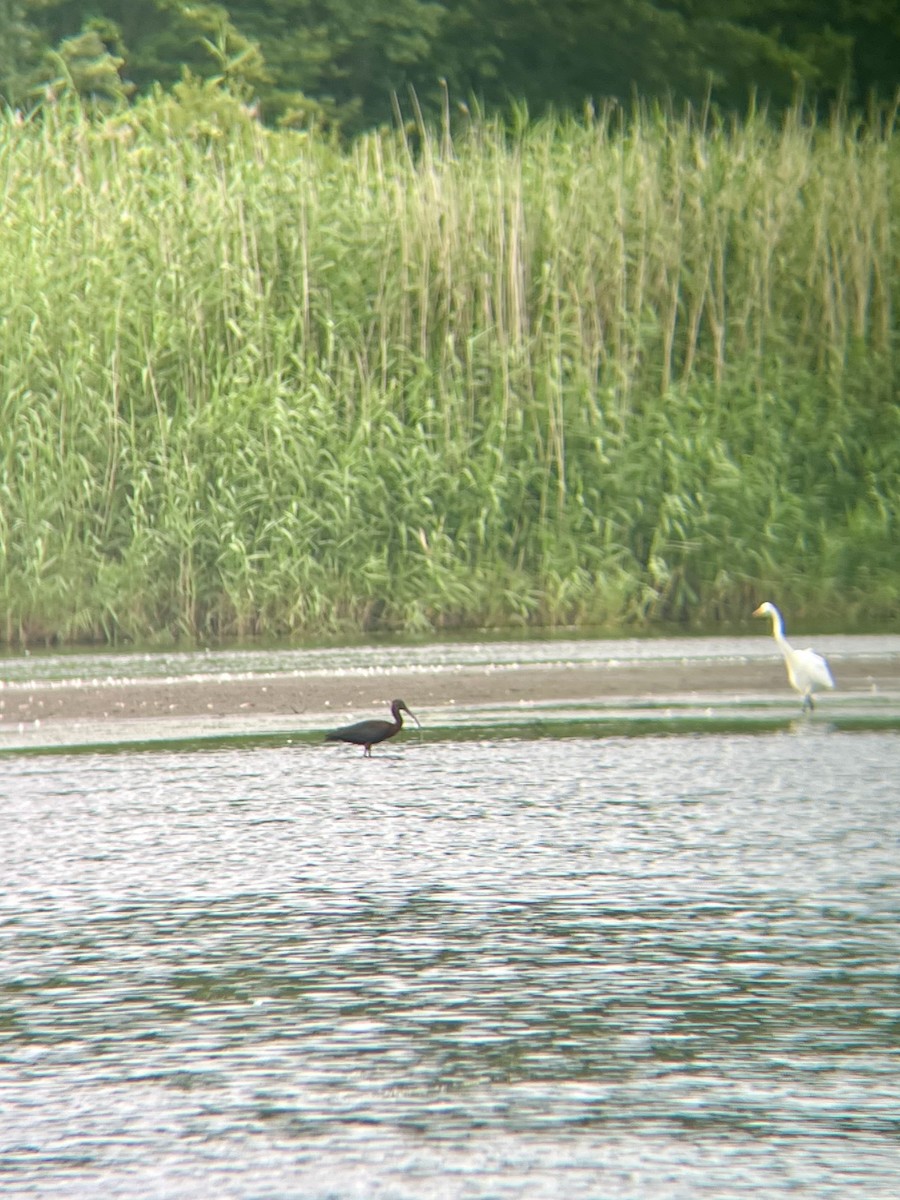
<point>23,670</point>
<point>631,967</point>
<point>871,699</point>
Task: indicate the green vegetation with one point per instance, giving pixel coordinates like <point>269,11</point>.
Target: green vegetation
<point>338,62</point>
<point>590,372</point>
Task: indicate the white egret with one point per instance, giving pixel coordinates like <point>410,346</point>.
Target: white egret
<point>807,671</point>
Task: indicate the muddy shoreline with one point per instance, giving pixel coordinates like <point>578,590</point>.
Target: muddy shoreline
<point>356,693</point>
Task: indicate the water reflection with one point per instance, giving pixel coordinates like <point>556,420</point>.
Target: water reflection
<point>235,663</point>
<point>666,964</point>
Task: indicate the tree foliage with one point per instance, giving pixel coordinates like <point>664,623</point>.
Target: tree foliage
<point>343,61</point>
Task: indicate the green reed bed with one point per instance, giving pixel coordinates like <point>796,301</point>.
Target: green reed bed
<point>589,372</point>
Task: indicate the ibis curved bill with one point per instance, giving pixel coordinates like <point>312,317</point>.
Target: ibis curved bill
<point>370,733</point>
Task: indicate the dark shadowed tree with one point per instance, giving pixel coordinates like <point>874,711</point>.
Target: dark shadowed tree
<point>156,40</point>
<point>563,54</point>
<point>343,60</point>
<point>349,56</point>
<point>851,47</point>
<point>15,48</point>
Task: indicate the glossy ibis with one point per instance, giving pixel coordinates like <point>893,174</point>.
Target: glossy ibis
<point>807,671</point>
<point>369,733</point>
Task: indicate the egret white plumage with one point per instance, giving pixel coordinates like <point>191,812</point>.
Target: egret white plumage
<point>807,671</point>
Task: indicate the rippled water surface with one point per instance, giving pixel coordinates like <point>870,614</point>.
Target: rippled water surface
<point>640,967</point>
<point>50,667</point>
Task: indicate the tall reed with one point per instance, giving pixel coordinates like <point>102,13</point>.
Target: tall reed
<point>594,372</point>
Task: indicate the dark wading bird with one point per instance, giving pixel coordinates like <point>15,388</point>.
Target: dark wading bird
<point>370,733</point>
